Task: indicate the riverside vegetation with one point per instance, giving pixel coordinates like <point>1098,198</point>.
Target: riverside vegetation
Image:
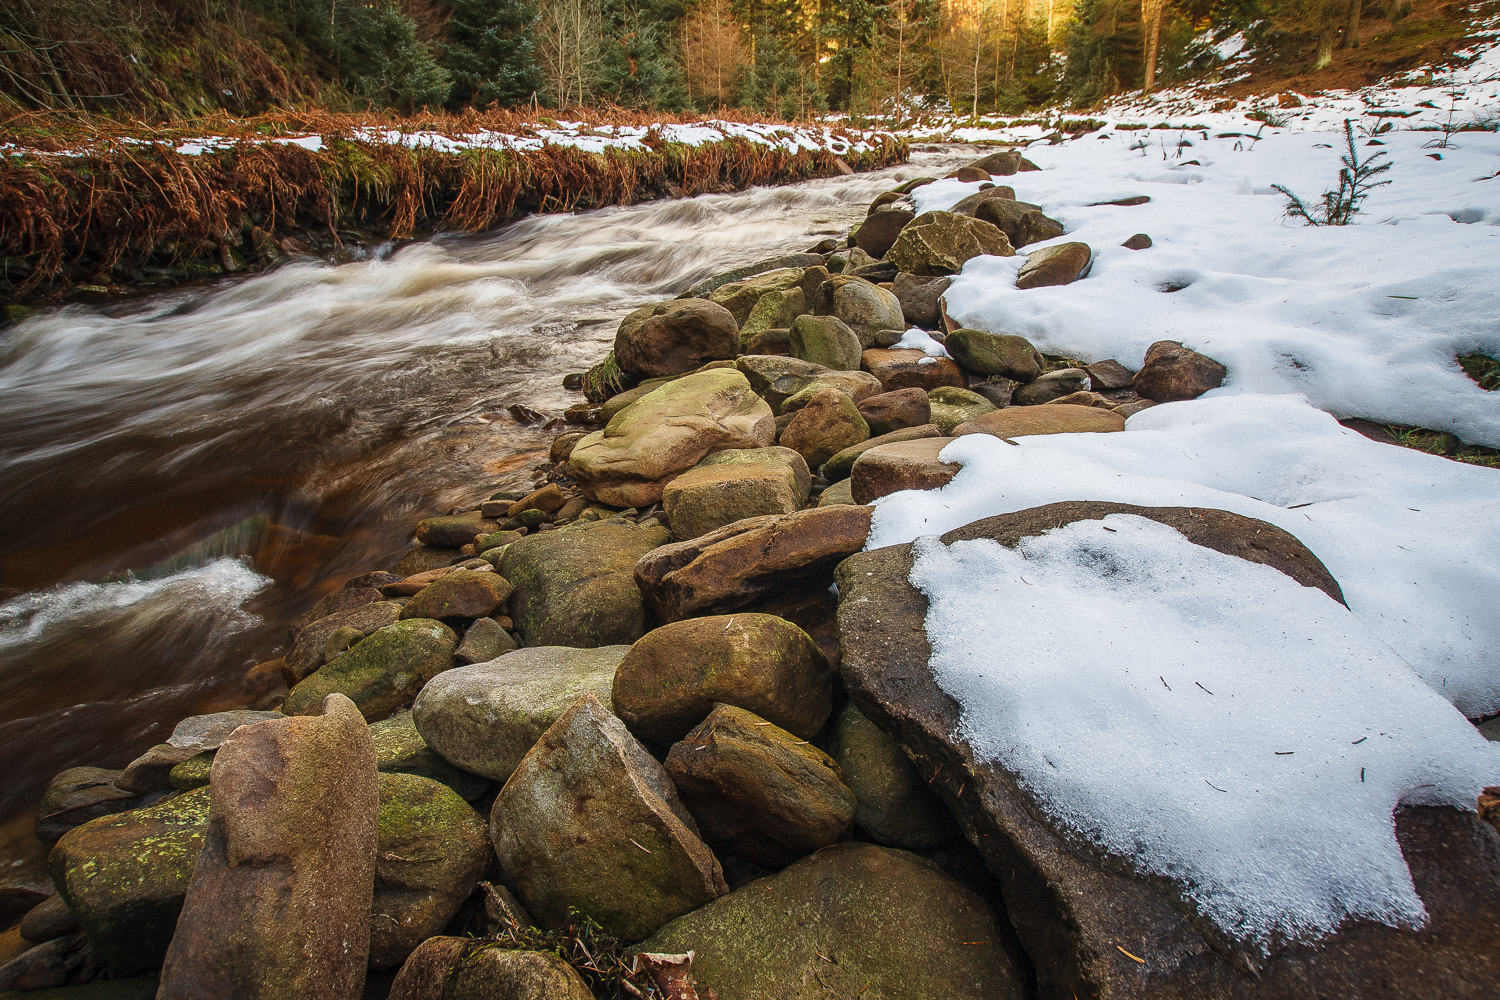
<point>660,727</point>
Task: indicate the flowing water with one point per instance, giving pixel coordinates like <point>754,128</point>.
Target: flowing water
<point>182,474</point>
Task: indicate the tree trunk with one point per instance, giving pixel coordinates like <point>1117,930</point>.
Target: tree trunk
<point>1325,47</point>
<point>1351,29</point>
<point>1151,19</point>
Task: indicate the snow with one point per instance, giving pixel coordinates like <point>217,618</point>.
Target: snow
<point>1205,717</point>
<point>1413,539</point>
<point>921,340</point>
<point>941,195</point>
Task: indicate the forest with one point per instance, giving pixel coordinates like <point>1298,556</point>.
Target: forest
<point>789,58</point>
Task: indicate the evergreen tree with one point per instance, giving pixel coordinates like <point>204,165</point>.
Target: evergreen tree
<point>640,67</point>
<point>491,52</point>
<point>383,61</point>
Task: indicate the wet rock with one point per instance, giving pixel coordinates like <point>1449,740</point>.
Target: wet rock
<point>193,772</point>
<point>461,594</point>
<point>893,411</point>
<point>740,297</point>
<point>761,370</point>
<point>826,341</point>
<point>310,648</point>
<point>548,500</point>
<point>906,465</point>
<point>828,424</point>
<point>1004,163</point>
<point>774,311</point>
<point>383,672</point>
<point>757,791</point>
<point>1053,385</point>
<point>844,261</point>
<point>880,229</point>
<point>1021,223</point>
<point>76,796</point>
<point>952,406</point>
<point>486,717</point>
<point>666,432</point>
<point>1002,354</point>
<point>1173,372</point>
<point>400,749</point>
<point>905,368</point>
<point>797,260</point>
<point>432,850</point>
<point>343,599</point>
<point>563,444</point>
<point>280,896</point>
<point>455,968</point>
<point>484,640</point>
<point>841,465</point>
<point>937,243</point>
<point>856,385</point>
<point>590,822</point>
<point>670,338</point>
<point>672,678</point>
<point>1061,264</point>
<point>575,586</point>
<point>452,531</point>
<point>1109,375</point>
<point>1054,418</point>
<point>1140,241</point>
<point>850,920</point>
<point>919,298</point>
<point>774,455</point>
<point>49,919</point>
<point>709,497</point>
<point>968,204</point>
<point>408,586</point>
<point>896,808</point>
<point>744,561</point>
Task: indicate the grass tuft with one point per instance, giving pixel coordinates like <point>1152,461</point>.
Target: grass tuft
<point>1483,369</point>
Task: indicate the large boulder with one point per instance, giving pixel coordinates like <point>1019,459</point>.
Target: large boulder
<point>1021,223</point>
<point>865,307</point>
<point>574,586</point>
<point>464,594</point>
<point>761,370</point>
<point>1053,418</point>
<point>748,560</point>
<point>995,354</point>
<point>196,734</point>
<point>382,672</point>
<point>757,791</point>
<point>842,464</point>
<point>672,678</point>
<point>433,850</point>
<point>706,287</point>
<point>710,496</point>
<point>896,808</point>
<point>919,298</point>
<point>740,297</point>
<point>774,455</point>
<point>938,243</point>
<point>1174,372</point>
<point>968,204</point>
<point>77,795</point>
<point>1059,264</point>
<point>880,228</point>
<point>853,920</point>
<point>458,968</point>
<point>906,368</point>
<point>670,338</point>
<point>485,718</point>
<point>1075,910</point>
<point>905,465</point>
<point>775,311</point>
<point>668,431</point>
<point>309,649</point>
<point>279,902</point>
<point>897,409</point>
<point>828,424</point>
<point>826,341</point>
<point>589,822</point>
<point>1004,163</point>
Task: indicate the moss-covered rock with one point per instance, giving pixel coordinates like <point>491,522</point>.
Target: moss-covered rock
<point>464,593</point>
<point>774,455</point>
<point>825,340</point>
<point>841,464</point>
<point>381,673</point>
<point>940,242</point>
<point>951,406</point>
<point>896,808</point>
<point>995,354</point>
<point>708,497</point>
<point>455,968</point>
<point>400,749</point>
<point>829,423</point>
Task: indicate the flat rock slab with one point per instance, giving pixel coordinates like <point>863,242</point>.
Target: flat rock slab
<point>1082,918</point>
<point>905,465</point>
<point>710,496</point>
<point>904,368</point>
<point>1049,418</point>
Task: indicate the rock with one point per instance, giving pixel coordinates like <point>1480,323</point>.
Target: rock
<point>421,558</point>
<point>408,586</point>
<point>451,532</point>
<point>1140,241</point>
<point>562,445</point>
<point>906,368</point>
<point>970,175</point>
<point>672,678</point>
<point>1131,409</point>
<point>1021,223</point>
<point>797,260</point>
<point>310,648</point>
<point>590,822</point>
<point>740,297</point>
<point>1004,163</point>
<point>279,902</point>
<point>76,796</point>
<point>849,921</point>
<point>1072,909</point>
<point>744,561</point>
<point>193,772</point>
<point>709,497</point>
<point>866,308</point>
<point>938,243</point>
<point>47,966</point>
<point>461,594</point>
<point>826,341</point>
<point>844,261</point>
<point>896,808</point>
<point>856,385</point>
<point>674,337</point>
<point>761,370</point>
<point>1173,372</point>
<point>952,406</point>
<point>152,770</point>
<point>906,465</point>
<point>548,500</point>
<point>757,791</point>
<point>996,389</point>
<point>484,640</point>
<point>919,298</point>
<point>774,311</point>
<point>344,599</point>
<point>433,849</point>
<point>893,411</point>
<point>841,465</point>
<point>486,717</point>
<point>1109,375</point>
<point>381,673</point>
<point>1061,264</point>
<point>400,749</point>
<point>666,432</point>
<point>49,919</point>
<point>1085,398</point>
<point>1053,385</point>
<point>841,492</point>
<point>575,586</point>
<point>995,354</point>
<point>967,205</point>
<point>880,229</point>
<point>774,455</point>
<point>824,427</point>
<point>456,968</point>
<point>1054,418</point>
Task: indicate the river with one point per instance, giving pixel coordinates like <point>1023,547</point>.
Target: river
<point>182,474</point>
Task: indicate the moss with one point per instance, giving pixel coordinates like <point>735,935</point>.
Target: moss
<point>382,672</point>
<point>1483,369</point>
<point>193,772</point>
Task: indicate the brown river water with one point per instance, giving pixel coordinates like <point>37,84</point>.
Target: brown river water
<point>182,474</point>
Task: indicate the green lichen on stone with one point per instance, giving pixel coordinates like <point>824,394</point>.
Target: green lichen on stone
<point>381,673</point>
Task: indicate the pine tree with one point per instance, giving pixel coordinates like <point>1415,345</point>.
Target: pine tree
<point>491,52</point>
<point>382,59</point>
